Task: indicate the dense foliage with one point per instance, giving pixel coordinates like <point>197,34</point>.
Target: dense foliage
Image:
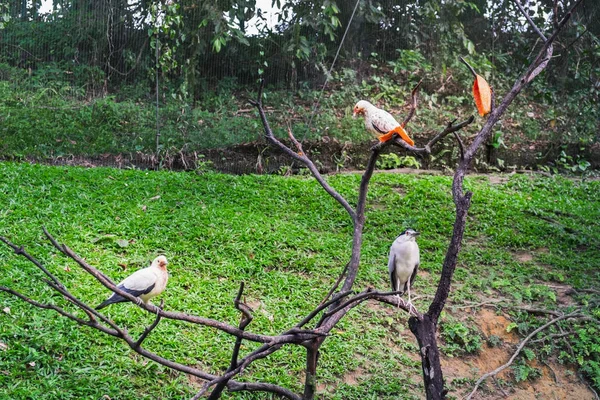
<point>83,71</point>
<point>203,42</point>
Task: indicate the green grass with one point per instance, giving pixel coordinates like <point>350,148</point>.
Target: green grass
<point>288,241</point>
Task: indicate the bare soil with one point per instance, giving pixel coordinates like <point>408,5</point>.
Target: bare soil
<point>557,381</point>
<point>258,157</point>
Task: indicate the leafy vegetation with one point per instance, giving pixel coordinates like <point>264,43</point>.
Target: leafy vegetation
<point>288,241</point>
<point>94,92</point>
<point>459,339</point>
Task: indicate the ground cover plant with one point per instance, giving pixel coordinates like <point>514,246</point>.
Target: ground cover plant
<point>286,239</point>
<point>113,125</point>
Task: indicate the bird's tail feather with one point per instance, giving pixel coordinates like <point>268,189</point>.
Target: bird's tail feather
<point>110,301</point>
<point>400,131</point>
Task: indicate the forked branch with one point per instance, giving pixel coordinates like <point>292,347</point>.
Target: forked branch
<point>450,128</point>
<point>413,104</point>
<point>244,322</point>
<point>99,322</point>
<point>297,155</point>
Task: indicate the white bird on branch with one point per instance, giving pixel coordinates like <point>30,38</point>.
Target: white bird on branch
<point>145,283</point>
<point>403,262</point>
<point>380,122</point>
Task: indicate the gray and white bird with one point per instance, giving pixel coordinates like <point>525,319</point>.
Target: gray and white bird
<point>145,283</point>
<point>403,262</point>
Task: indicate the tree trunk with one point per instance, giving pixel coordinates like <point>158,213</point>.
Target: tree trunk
<point>424,330</point>
<point>310,382</point>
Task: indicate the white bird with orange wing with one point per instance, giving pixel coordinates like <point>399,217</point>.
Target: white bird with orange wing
<point>380,122</point>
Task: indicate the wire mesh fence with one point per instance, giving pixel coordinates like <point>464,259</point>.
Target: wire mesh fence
<point>116,82</point>
<point>162,83</point>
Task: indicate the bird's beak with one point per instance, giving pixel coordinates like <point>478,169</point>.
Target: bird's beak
<point>416,234</point>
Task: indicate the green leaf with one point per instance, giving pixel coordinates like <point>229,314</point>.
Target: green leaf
<point>529,354</point>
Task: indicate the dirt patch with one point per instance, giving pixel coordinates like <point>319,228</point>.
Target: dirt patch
<point>378,206</point>
<point>563,293</point>
<point>491,323</point>
<point>557,381</point>
<point>400,190</point>
<point>353,378</point>
<point>523,256</point>
<point>498,179</point>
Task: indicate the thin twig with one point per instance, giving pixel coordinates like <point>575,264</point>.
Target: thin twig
<point>461,146</point>
<point>566,342</point>
<point>499,387</point>
<point>586,383</point>
<point>576,39</point>
<point>533,25</point>
<point>149,329</point>
<point>300,157</point>
<point>551,336</point>
<point>245,321</point>
<point>365,295</point>
<point>551,370</point>
<point>469,304</point>
<point>337,283</point>
<point>555,14</point>
<point>321,307</point>
<point>413,104</point>
<point>469,66</point>
<point>450,128</point>
<point>20,251</point>
<point>61,311</point>
<point>295,141</point>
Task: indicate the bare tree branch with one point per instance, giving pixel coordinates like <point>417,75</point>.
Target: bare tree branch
<point>370,294</point>
<point>413,104</point>
<point>20,251</point>
<point>461,146</point>
<point>61,311</point>
<point>275,342</point>
<point>149,328</point>
<point>469,67</point>
<point>321,307</point>
<point>526,15</point>
<point>450,128</point>
<point>303,158</point>
<point>291,338</point>
<point>337,283</point>
<point>245,321</point>
<point>463,201</point>
<point>423,326</point>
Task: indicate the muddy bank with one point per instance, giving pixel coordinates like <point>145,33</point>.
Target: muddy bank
<point>331,155</point>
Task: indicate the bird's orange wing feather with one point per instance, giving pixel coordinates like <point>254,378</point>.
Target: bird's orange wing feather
<point>401,132</point>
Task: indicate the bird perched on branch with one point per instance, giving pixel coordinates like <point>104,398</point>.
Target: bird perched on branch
<point>403,262</point>
<point>145,283</point>
<point>380,122</point>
